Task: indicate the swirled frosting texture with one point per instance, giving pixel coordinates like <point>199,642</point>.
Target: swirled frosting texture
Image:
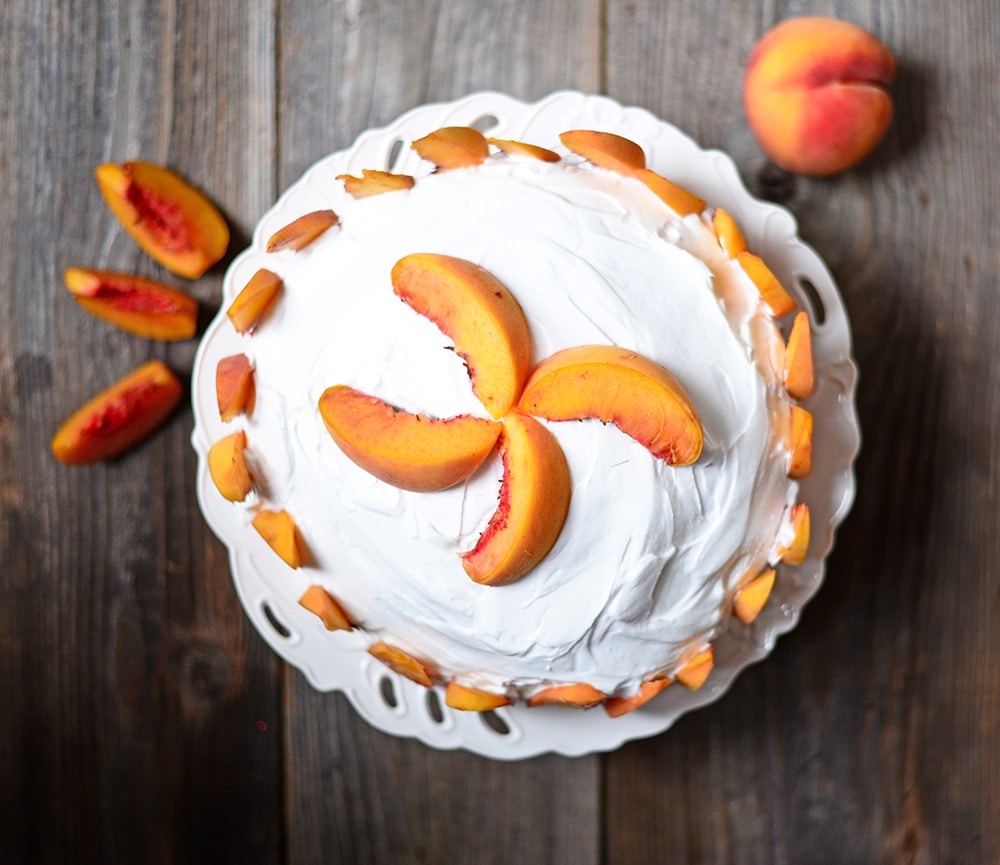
<point>649,555</point>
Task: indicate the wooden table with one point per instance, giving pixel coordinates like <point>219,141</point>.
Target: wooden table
<point>142,717</point>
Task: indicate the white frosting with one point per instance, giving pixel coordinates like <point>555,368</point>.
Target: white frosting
<point>649,555</point>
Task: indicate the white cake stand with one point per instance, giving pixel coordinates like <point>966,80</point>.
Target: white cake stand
<point>339,661</point>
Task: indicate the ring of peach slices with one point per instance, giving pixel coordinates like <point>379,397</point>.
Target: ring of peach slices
<point>489,331</point>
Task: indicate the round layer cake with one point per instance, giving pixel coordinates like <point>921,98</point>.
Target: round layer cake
<point>649,555</point>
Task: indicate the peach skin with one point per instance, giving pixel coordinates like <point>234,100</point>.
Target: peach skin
<point>814,93</point>
<point>120,417</point>
<point>617,386</point>
<point>299,233</point>
<point>409,451</point>
<point>481,316</point>
<point>453,147</point>
<point>171,221</point>
<point>534,500</point>
<point>520,148</point>
<point>605,150</point>
<point>234,386</point>
<point>140,306</point>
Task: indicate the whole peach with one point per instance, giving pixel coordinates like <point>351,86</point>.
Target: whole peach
<point>814,94</point>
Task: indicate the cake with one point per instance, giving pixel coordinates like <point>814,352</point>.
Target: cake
<point>526,426</point>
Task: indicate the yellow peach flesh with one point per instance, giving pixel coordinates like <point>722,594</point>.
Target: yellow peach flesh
<point>321,603</point>
<point>254,300</point>
<point>798,372</point>
<point>299,233</point>
<point>228,468</point>
<point>795,552</point>
<point>751,598</point>
<point>471,699</point>
<point>278,529</point>
<point>675,197</point>
<point>578,695</point>
<point>401,662</point>
<point>453,147</point>
<point>605,150</point>
<point>618,706</point>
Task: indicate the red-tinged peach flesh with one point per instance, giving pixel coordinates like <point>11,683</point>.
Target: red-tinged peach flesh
<point>520,148</point>
<point>278,529</point>
<point>751,598</point>
<point>374,183</point>
<point>227,466</point>
<point>234,386</point>
<point>774,294</point>
<point>795,552</point>
<point>300,232</point>
<point>677,198</point>
<point>800,443</point>
<point>172,221</point>
<point>134,304</point>
<point>453,147</point>
<point>814,93</point>
<point>321,603</point>
<point>401,662</point>
<point>730,237</point>
<point>798,371</point>
<point>621,387</point>
<point>479,314</point>
<point>578,696</point>
<point>605,150</point>
<point>120,417</point>
<point>472,699</point>
<point>534,501</point>
<point>409,451</point>
<point>618,706</point>
<point>695,670</point>
<point>254,300</point>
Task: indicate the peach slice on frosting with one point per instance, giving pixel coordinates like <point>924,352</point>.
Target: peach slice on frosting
<point>402,662</point>
<point>767,283</point>
<point>137,305</point>
<point>254,300</point>
<point>605,150</point>
<point>481,316</point>
<point>727,231</point>
<point>579,695</point>
<point>800,443</point>
<point>453,147</point>
<point>795,552</point>
<point>799,359</point>
<point>321,603</point>
<point>618,706</point>
<point>534,500</point>
<point>695,668</point>
<point>120,417</point>
<point>409,451</point>
<point>170,219</point>
<point>472,699</point>
<point>520,148</point>
<point>227,466</point>
<point>234,386</point>
<point>749,599</point>
<point>617,386</point>
<point>278,529</point>
<point>677,198</point>
<point>374,183</point>
<point>299,233</point>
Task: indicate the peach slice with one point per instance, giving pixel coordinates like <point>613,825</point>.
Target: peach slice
<point>171,220</point>
<point>749,599</point>
<point>605,150</point>
<point>677,198</point>
<point>374,183</point>
<point>800,443</point>
<point>579,696</point>
<point>401,662</point>
<point>256,297</point>
<point>474,309</point>
<point>319,601</point>
<point>409,451</point>
<point>140,306</point>
<point>472,699</point>
<point>300,232</point>
<point>234,386</point>
<point>695,668</point>
<point>618,706</point>
<point>795,552</point>
<point>617,386</point>
<point>767,283</point>
<point>120,417</point>
<point>815,97</point>
<point>453,147</point>
<point>227,466</point>
<point>730,237</point>
<point>798,371</point>
<point>520,148</point>
<point>534,501</point>
<point>282,535</point>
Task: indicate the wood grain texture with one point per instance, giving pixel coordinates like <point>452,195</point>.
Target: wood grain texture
<point>143,718</point>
